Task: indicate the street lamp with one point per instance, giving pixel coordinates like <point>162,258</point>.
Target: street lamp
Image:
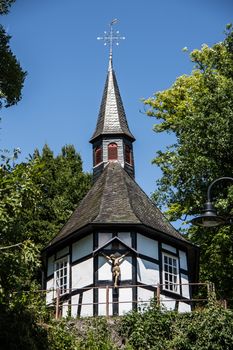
<point>209,217</point>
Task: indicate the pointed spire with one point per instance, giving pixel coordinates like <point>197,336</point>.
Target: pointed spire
<point>112,118</point>
<point>110,62</point>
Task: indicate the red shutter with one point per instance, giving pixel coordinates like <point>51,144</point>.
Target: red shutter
<point>98,155</point>
<point>128,154</point>
<point>112,151</point>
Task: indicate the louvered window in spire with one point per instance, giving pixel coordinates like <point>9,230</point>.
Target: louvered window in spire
<point>112,151</point>
<point>128,155</point>
<point>98,155</point>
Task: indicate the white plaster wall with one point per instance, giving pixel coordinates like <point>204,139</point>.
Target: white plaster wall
<point>74,305</point>
<point>50,267</point>
<point>104,269</point>
<point>82,274</point>
<point>147,272</point>
<point>102,301</point>
<point>126,269</point>
<point>183,260</point>
<point>183,307</point>
<point>125,300</point>
<point>185,286</point>
<point>144,297</point>
<point>87,310</point>
<point>104,237</point>
<point>65,309</point>
<point>147,246</point>
<point>62,252</point>
<point>50,294</point>
<point>82,247</point>
<point>167,302</point>
<point>169,248</point>
<point>125,237</point>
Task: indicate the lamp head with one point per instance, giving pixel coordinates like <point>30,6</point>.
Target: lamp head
<point>209,218</point>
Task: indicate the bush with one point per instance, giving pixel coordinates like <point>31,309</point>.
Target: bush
<point>153,329</point>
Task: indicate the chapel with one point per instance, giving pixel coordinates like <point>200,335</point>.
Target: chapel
<point>117,251</point>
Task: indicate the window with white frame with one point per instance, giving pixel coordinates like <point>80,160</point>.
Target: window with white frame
<point>62,275</point>
<point>170,273</point>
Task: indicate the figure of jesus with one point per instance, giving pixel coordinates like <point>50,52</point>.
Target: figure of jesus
<point>115,261</point>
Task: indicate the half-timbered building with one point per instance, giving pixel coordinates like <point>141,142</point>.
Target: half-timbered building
<point>117,248</point>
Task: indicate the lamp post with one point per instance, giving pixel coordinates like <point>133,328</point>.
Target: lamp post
<point>209,217</point>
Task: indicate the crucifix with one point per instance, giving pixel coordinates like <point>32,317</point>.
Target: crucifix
<point>115,261</point>
<point>111,37</point>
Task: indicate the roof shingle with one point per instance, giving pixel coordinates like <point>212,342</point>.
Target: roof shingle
<point>115,198</point>
<point>112,118</point>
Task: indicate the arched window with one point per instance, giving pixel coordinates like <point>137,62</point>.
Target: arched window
<point>112,151</point>
<point>128,156</point>
<point>98,155</point>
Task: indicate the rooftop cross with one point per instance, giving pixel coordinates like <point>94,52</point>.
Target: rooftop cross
<point>112,36</point>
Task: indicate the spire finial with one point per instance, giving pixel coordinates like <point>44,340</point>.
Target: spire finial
<point>111,37</point>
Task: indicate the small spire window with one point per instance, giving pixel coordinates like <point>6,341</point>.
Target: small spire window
<point>128,154</point>
<point>112,151</point>
<point>98,155</point>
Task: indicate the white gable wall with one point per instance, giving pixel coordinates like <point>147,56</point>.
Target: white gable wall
<point>102,297</point>
<point>82,247</point>
<point>125,300</point>
<point>183,260</point>
<point>147,272</point>
<point>147,246</point>
<point>50,266</point>
<point>144,297</point>
<point>82,274</point>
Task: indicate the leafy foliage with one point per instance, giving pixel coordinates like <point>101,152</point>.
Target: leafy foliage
<point>63,184</point>
<point>198,109</point>
<point>147,329</point>
<point>5,5</point>
<point>11,74</point>
<point>36,197</point>
<point>153,329</point>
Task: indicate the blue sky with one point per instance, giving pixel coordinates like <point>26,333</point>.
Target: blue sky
<point>55,41</point>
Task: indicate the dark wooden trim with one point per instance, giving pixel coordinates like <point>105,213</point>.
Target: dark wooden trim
<point>49,278</point>
<point>160,263</point>
<point>80,301</point>
<point>181,289</point>
<point>134,240</point>
<point>84,258</point>
<point>151,288</point>
<point>170,253</point>
<point>70,269</point>
<point>115,299</point>
<point>174,295</point>
<point>145,257</point>
<point>134,280</point>
<point>95,290</point>
<point>95,240</point>
<point>184,272</point>
<point>82,290</point>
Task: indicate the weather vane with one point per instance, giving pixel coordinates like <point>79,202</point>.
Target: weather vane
<point>112,36</point>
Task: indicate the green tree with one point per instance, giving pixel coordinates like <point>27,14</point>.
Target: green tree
<point>11,74</point>
<point>5,5</point>
<point>63,184</point>
<point>36,198</point>
<point>198,109</point>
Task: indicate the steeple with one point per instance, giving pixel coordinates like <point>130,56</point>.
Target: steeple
<point>112,139</point>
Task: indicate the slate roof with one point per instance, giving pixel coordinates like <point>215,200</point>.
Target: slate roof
<point>112,118</point>
<point>115,198</point>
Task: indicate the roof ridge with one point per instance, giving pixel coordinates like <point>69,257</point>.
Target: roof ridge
<point>128,197</point>
<point>151,202</point>
<point>102,199</point>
